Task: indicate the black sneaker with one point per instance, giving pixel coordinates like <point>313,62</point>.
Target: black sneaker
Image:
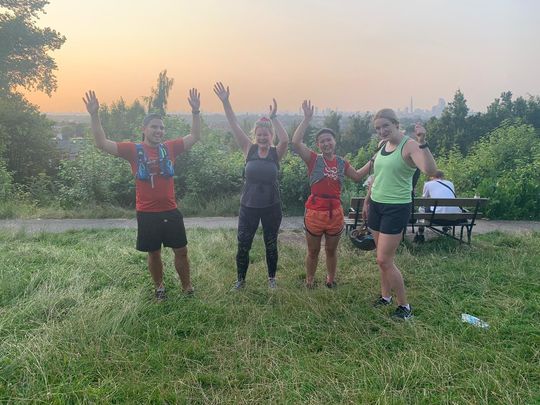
<point>238,285</point>
<point>402,313</point>
<point>160,294</point>
<point>381,302</point>
<point>331,285</point>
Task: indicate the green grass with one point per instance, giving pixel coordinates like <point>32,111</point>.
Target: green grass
<point>78,325</point>
<point>190,206</point>
<point>28,210</point>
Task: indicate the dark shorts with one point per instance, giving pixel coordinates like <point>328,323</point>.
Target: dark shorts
<point>157,228</point>
<point>389,219</point>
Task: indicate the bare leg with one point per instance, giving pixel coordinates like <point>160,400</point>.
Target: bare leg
<point>391,278</point>
<point>330,248</point>
<point>155,266</point>
<point>181,263</point>
<point>312,257</point>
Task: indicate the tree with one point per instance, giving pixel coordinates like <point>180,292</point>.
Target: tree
<point>24,48</point>
<point>332,121</point>
<point>157,101</point>
<point>122,122</point>
<point>451,128</point>
<point>27,136</point>
<point>358,133</point>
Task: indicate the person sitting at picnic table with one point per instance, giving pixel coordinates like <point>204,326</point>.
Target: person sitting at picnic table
<point>438,187</point>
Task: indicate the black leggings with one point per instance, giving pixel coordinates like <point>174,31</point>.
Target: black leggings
<point>248,222</point>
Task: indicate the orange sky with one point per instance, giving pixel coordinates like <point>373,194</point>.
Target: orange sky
<point>350,55</point>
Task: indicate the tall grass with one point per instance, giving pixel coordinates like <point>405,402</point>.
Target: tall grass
<point>78,324</point>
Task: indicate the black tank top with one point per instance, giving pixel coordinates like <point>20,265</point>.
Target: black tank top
<point>261,188</point>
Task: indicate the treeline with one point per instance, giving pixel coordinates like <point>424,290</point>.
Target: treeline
<point>495,154</point>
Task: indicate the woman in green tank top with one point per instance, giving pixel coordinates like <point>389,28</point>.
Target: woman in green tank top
<point>388,207</point>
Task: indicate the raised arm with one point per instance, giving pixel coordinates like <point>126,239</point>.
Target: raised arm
<point>283,137</point>
<point>358,175</point>
<point>92,106</point>
<point>194,101</point>
<point>419,153</point>
<point>242,139</point>
<point>298,137</point>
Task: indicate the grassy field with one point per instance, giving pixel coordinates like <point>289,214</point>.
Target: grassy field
<point>78,325</point>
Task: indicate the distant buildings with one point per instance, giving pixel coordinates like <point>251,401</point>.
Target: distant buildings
<point>411,112</point>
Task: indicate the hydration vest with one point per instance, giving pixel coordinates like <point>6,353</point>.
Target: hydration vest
<point>253,154</point>
<point>318,170</point>
<point>166,167</point>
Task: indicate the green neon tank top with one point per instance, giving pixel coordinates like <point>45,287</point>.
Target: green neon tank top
<point>393,177</point>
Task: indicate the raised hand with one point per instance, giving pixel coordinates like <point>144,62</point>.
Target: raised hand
<point>273,109</point>
<point>308,109</point>
<point>194,100</point>
<point>222,92</point>
<point>420,133</point>
<point>91,102</point>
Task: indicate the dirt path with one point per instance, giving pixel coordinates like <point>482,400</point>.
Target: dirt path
<point>288,223</point>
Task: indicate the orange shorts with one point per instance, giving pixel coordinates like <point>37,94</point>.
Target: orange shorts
<point>318,222</point>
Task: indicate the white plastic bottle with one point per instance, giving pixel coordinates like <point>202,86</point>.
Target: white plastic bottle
<point>473,320</point>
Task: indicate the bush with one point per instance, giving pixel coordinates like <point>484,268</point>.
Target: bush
<point>95,178</point>
<point>6,183</point>
<point>294,182</point>
<point>504,166</point>
<point>208,172</point>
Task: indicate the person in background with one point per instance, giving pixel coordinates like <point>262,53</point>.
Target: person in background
<point>438,187</point>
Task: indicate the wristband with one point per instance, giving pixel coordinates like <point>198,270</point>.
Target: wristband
<point>272,116</point>
<point>424,146</point>
<point>195,112</point>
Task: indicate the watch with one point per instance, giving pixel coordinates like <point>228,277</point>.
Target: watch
<point>424,146</point>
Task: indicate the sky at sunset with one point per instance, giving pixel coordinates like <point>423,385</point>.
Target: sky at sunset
<point>350,55</point>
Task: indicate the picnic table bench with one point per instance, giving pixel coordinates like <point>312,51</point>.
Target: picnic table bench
<point>438,222</point>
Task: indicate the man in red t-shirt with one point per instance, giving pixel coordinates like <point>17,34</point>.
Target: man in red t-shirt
<point>158,220</point>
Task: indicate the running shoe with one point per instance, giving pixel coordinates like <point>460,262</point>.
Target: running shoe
<point>381,302</point>
<point>331,285</point>
<point>238,285</point>
<point>160,294</point>
<point>402,313</point>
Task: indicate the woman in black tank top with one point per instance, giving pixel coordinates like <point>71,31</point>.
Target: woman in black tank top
<point>260,201</point>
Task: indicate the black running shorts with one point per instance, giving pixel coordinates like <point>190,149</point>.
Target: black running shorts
<point>389,219</point>
<point>160,228</point>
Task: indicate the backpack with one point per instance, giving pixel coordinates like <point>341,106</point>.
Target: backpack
<point>166,167</point>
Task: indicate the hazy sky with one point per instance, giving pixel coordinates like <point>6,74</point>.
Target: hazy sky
<point>352,55</point>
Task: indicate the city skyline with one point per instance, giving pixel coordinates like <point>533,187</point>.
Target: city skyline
<point>343,55</point>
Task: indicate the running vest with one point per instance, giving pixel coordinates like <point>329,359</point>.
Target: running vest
<point>166,167</point>
<point>393,176</point>
<point>318,170</point>
<point>261,188</point>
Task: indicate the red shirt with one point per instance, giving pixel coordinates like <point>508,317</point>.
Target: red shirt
<point>329,186</point>
<point>156,195</point>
